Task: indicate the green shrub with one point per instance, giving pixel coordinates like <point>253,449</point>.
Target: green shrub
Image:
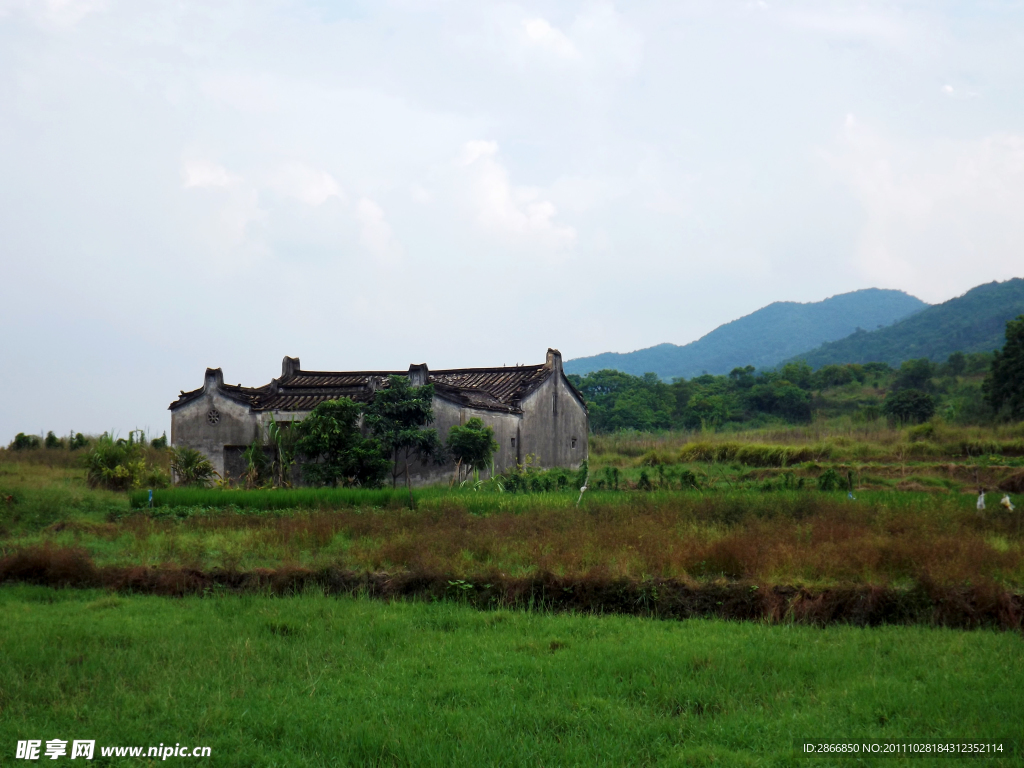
<point>921,432</point>
<point>644,483</point>
<point>159,442</point>
<point>52,441</point>
<point>191,468</point>
<point>829,480</point>
<point>156,478</point>
<point>78,441</point>
<point>117,465</point>
<point>688,479</point>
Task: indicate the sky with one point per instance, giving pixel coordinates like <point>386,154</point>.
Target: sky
<point>366,185</point>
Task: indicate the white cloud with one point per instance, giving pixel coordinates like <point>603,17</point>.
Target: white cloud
<point>63,13</point>
<point>607,41</point>
<point>374,231</point>
<point>508,210</point>
<point>939,215</point>
<point>861,24</point>
<point>201,173</point>
<point>244,92</point>
<point>539,32</point>
<point>309,185</point>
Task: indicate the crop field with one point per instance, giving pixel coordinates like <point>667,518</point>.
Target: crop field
<point>834,586</point>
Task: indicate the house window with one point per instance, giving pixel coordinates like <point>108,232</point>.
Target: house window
<point>573,443</point>
<point>213,416</point>
<point>513,442</point>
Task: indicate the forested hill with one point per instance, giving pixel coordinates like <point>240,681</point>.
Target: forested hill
<point>974,322</point>
<point>763,338</point>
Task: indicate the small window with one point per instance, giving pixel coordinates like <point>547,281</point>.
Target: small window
<point>573,442</point>
<point>513,442</point>
<point>213,416</point>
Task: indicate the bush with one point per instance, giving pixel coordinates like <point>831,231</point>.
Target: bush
<point>829,481</point>
<point>921,432</point>
<point>78,441</point>
<point>156,478</point>
<point>117,465</point>
<point>52,441</point>
<point>159,442</point>
<point>192,468</point>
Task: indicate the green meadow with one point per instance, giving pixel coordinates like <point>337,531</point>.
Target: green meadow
<point>325,681</point>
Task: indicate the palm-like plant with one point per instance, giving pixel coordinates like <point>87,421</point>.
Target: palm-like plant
<point>191,467</point>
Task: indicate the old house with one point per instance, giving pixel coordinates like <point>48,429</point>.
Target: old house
<point>534,410</point>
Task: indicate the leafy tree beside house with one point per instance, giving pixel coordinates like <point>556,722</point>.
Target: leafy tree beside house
<point>397,417</point>
<point>334,451</point>
<point>472,444</point>
<point>1004,386</point>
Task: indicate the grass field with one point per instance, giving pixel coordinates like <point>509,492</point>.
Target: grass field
<point>273,652</point>
<point>319,681</point>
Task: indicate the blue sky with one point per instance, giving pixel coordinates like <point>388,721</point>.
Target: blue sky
<point>367,185</point>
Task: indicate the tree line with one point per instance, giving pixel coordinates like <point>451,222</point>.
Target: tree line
<point>966,388</point>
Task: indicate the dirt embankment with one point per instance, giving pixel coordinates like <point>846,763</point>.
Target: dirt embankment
<point>964,607</point>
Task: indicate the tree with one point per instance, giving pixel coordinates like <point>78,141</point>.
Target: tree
<point>832,376</point>
<point>52,441</point>
<point>909,406</point>
<point>472,444</point>
<point>334,451</point>
<point>956,364</point>
<point>1004,385</point>
<point>798,374</point>
<point>396,417</point>
<point>915,374</point>
<point>23,442</point>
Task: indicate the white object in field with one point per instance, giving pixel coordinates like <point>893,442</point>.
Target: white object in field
<point>583,489</point>
<point>1007,503</point>
<point>981,502</point>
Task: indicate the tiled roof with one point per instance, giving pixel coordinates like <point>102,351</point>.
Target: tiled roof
<point>497,389</point>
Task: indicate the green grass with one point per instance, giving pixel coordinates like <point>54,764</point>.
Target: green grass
<point>320,681</point>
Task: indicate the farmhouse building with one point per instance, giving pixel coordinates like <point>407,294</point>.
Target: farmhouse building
<point>534,411</point>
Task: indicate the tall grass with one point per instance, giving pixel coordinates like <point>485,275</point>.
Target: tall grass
<point>772,538</point>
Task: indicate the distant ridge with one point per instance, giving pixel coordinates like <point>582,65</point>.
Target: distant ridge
<point>763,338</point>
<point>974,322</point>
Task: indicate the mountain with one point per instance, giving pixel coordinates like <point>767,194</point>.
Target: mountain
<point>974,322</point>
<point>763,338</point>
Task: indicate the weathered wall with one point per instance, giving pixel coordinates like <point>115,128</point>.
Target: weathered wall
<point>190,423</point>
<point>447,415</point>
<point>553,418</point>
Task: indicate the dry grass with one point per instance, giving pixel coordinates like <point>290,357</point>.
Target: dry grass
<point>929,602</point>
<point>779,538</point>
